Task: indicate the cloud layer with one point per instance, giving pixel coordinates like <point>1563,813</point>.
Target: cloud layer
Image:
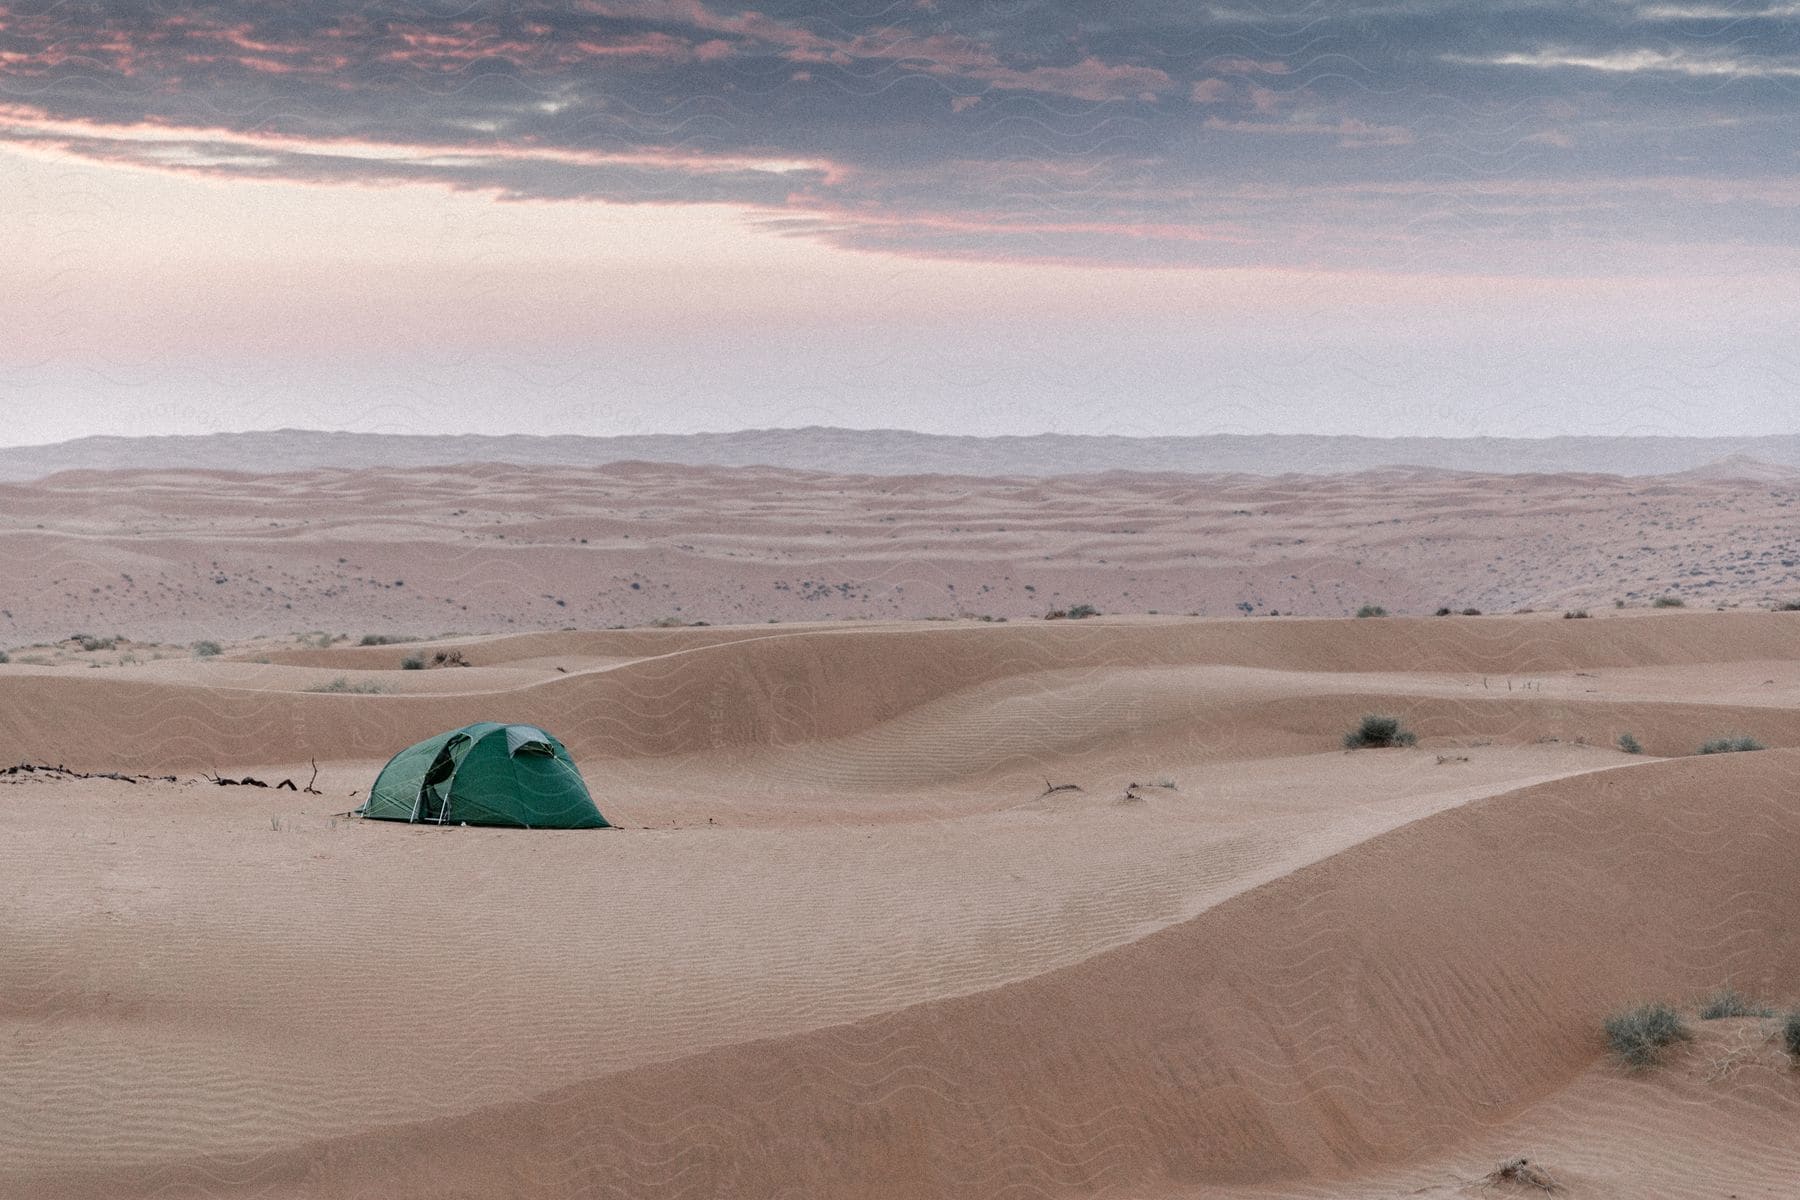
<point>1500,137</point>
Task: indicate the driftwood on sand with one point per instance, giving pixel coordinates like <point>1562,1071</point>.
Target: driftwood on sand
<point>60,771</point>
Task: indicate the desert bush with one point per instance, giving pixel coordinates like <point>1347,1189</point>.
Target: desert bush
<point>1668,602</point>
<point>413,662</point>
<point>1522,1171</point>
<point>1790,1033</point>
<point>90,642</point>
<point>1471,612</point>
<point>1371,610</point>
<point>449,658</point>
<point>207,649</point>
<point>1729,1002</point>
<point>1629,744</point>
<point>5,657</point>
<point>386,639</point>
<point>1639,1035</point>
<point>1575,614</point>
<point>1442,612</point>
<point>1078,611</point>
<point>1788,606</point>
<point>1730,745</point>
<point>344,686</point>
<point>1376,731</point>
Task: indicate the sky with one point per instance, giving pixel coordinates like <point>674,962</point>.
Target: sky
<point>1385,217</point>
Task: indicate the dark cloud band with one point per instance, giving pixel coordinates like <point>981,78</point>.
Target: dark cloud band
<point>1150,132</point>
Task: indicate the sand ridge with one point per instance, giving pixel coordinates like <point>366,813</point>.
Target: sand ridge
<point>845,944</point>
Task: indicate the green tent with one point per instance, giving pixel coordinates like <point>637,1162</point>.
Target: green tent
<point>485,774</point>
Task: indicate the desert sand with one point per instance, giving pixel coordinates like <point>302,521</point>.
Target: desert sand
<point>185,555</point>
<point>846,941</point>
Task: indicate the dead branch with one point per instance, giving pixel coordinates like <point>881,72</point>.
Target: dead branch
<point>226,781</point>
<point>1520,1170</point>
<point>62,772</point>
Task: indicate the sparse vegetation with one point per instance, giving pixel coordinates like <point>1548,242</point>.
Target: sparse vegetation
<point>1442,612</point>
<point>413,662</point>
<point>1371,610</point>
<point>1790,1033</point>
<point>1729,1002</point>
<point>1668,602</point>
<point>1575,614</point>
<point>1639,1035</point>
<point>5,657</point>
<point>207,649</point>
<point>1629,744</point>
<point>1471,612</point>
<point>1730,745</point>
<point>1376,731</point>
<point>1521,1170</point>
<point>1074,612</point>
<point>1788,606</point>
<point>449,658</point>
<point>89,642</point>
<point>344,686</point>
<point>386,639</point>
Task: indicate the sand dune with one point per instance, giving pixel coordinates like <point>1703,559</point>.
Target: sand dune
<point>187,555</point>
<point>845,945</point>
<point>1335,1020</point>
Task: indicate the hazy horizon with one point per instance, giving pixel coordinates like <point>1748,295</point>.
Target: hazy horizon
<point>898,431</point>
<point>1390,218</point>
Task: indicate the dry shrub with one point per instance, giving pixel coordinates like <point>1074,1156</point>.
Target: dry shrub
<point>1523,1171</point>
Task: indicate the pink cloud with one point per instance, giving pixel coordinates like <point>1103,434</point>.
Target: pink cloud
<point>1089,79</point>
<point>1209,91</point>
<point>1350,132</point>
<point>944,55</point>
<point>1265,100</point>
<point>1248,66</point>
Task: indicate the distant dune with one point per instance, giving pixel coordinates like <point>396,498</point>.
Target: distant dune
<point>898,452</point>
<point>182,554</point>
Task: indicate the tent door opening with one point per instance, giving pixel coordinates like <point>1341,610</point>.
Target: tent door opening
<point>433,804</point>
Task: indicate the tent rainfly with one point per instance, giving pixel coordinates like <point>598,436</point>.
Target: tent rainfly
<point>485,774</point>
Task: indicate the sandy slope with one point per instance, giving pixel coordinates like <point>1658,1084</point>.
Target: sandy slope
<point>845,946</point>
<point>186,555</point>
